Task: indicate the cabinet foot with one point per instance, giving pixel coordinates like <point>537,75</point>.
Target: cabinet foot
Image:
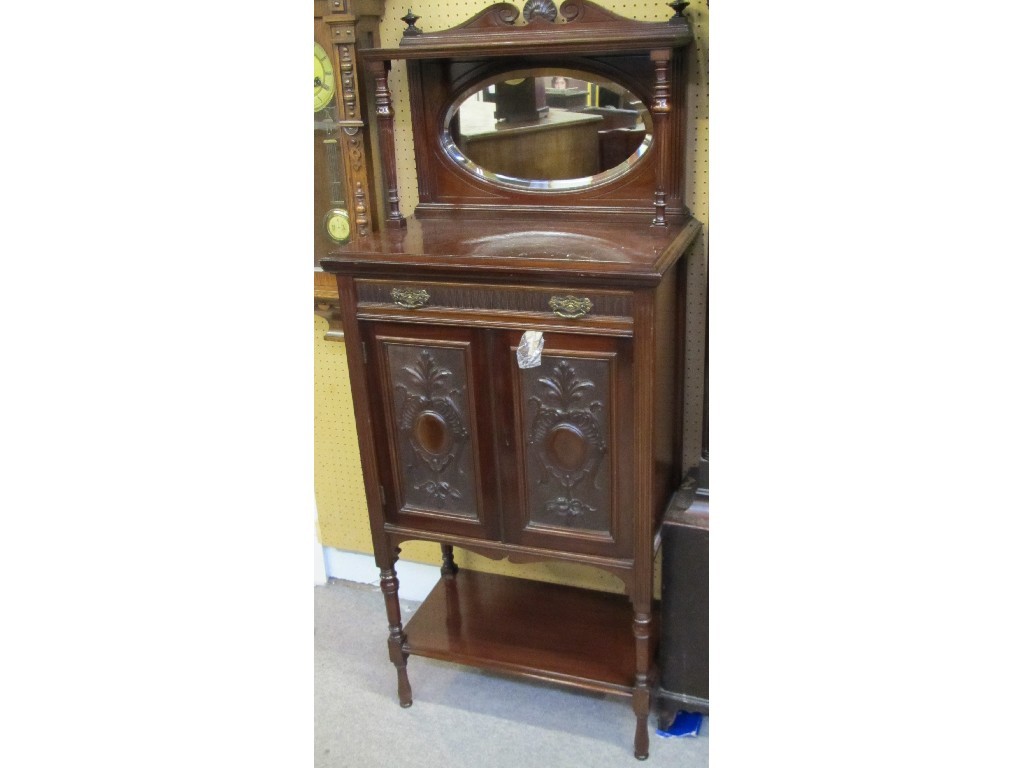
<point>641,739</point>
<point>396,636</point>
<point>641,686</point>
<point>404,689</point>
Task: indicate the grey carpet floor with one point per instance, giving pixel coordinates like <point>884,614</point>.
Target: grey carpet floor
<point>461,717</point>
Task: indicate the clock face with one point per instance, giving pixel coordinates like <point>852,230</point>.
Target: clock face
<point>323,78</point>
<point>338,227</point>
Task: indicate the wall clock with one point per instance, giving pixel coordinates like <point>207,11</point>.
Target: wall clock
<point>323,78</point>
<point>343,194</point>
<point>336,221</point>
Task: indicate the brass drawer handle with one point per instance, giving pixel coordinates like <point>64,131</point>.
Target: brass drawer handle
<point>570,307</point>
<point>410,298</point>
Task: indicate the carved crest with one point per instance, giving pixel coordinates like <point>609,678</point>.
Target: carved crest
<point>505,14</point>
<point>544,9</point>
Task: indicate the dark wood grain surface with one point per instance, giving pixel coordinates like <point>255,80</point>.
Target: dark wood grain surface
<point>557,250</point>
<point>578,637</point>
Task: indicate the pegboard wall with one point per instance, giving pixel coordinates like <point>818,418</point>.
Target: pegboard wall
<point>341,502</point>
<point>338,479</point>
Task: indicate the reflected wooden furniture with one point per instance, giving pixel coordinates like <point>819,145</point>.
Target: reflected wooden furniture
<point>519,99</point>
<point>616,145</point>
<point>615,118</point>
<point>567,98</point>
<point>568,455</point>
<point>570,141</point>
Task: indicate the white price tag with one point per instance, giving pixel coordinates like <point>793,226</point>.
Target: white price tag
<point>530,347</point>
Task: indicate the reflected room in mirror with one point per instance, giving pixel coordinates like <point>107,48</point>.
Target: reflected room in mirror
<point>548,129</point>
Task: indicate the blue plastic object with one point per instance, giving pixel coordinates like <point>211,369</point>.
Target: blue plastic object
<point>685,724</point>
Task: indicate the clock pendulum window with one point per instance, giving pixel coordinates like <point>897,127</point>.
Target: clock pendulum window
<point>336,219</point>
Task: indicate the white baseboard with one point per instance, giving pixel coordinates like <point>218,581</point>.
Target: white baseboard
<point>319,568</point>
<point>415,580</point>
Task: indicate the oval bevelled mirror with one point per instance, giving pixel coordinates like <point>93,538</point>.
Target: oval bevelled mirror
<point>547,129</point>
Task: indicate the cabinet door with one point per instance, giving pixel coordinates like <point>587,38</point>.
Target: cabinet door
<point>567,480</point>
<point>429,385</point>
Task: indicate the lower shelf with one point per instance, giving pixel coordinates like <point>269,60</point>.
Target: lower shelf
<point>577,637</point>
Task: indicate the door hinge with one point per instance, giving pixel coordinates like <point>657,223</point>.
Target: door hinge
<point>366,359</point>
<point>383,498</point>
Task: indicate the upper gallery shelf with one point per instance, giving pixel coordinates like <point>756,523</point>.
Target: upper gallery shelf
<point>571,111</point>
<point>543,28</point>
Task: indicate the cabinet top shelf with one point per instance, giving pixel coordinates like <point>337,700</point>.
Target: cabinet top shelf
<point>579,27</point>
<point>489,249</point>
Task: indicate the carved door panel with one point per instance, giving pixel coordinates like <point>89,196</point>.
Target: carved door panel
<point>436,450</point>
<point>567,483</point>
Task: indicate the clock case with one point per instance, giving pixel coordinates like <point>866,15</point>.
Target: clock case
<point>341,27</point>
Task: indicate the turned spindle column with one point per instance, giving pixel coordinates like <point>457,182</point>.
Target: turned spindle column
<point>448,566</point>
<point>386,138</point>
<point>660,112</point>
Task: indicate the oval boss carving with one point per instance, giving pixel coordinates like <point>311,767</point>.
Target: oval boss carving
<point>431,432</point>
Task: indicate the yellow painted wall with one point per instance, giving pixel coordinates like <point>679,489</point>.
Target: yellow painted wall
<point>341,503</point>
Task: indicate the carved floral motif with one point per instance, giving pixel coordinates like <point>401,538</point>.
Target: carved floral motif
<point>567,438</point>
<point>432,425</point>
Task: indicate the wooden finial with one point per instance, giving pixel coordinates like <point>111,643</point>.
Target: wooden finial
<point>411,29</point>
<point>677,6</point>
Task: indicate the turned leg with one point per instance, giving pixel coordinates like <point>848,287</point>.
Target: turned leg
<point>448,566</point>
<point>453,615</point>
<point>641,686</point>
<point>389,586</point>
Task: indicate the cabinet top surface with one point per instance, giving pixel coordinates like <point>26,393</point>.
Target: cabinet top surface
<point>631,252</point>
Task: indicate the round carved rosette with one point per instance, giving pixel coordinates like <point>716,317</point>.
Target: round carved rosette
<point>544,9</point>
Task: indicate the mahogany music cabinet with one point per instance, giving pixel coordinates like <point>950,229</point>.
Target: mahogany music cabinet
<point>516,346</point>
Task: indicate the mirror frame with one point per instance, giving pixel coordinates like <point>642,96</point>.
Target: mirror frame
<point>647,58</point>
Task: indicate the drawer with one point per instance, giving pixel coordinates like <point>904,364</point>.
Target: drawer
<point>583,310</point>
